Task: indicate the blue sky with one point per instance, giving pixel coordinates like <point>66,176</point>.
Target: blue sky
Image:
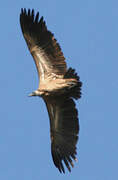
<point>87,31</point>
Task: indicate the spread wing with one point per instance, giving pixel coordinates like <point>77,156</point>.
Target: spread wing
<point>64,128</point>
<point>44,48</point>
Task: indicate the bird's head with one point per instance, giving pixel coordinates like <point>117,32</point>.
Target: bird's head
<point>35,93</point>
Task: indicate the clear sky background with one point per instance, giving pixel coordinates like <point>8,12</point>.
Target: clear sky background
<point>87,31</point>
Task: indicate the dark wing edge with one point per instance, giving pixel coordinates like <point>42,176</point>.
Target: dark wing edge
<point>41,42</point>
<point>64,127</point>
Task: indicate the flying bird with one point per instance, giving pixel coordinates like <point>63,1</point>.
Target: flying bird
<point>58,86</point>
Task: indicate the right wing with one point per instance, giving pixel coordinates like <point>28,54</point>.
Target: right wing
<point>64,129</point>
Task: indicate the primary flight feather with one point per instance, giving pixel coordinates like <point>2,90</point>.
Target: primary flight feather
<point>58,86</point>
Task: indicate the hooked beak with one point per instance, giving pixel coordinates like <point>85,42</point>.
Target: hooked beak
<point>32,94</point>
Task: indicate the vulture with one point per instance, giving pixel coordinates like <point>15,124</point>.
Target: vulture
<point>59,87</point>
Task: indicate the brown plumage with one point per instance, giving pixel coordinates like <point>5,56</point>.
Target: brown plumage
<point>58,87</point>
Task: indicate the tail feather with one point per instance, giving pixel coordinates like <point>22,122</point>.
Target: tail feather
<point>75,91</point>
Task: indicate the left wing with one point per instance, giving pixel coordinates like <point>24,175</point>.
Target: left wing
<point>64,128</point>
<point>44,48</point>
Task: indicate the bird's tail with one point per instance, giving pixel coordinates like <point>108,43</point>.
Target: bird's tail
<point>75,91</point>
